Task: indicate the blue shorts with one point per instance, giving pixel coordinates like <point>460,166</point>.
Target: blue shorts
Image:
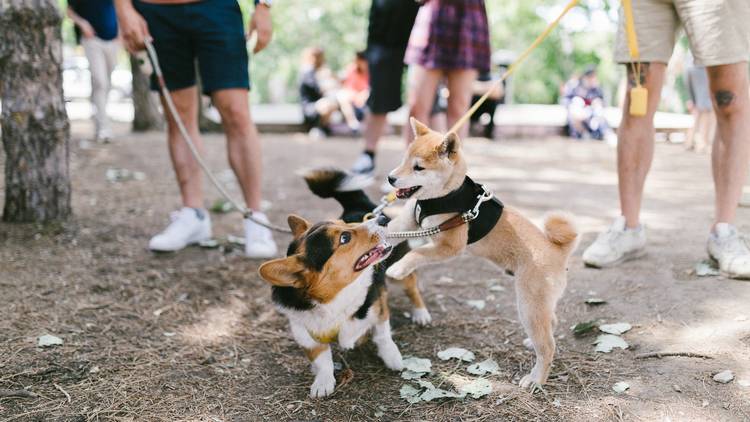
<point>210,31</point>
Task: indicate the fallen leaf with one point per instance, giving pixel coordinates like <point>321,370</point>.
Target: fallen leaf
<point>347,375</point>
<point>677,388</point>
<point>497,288</point>
<point>411,375</point>
<point>616,329</point>
<point>606,342</point>
<point>456,353</point>
<point>621,387</point>
<point>417,365</point>
<point>478,304</point>
<point>583,328</point>
<point>706,268</point>
<point>595,301</point>
<point>476,389</point>
<point>48,340</point>
<point>221,206</point>
<point>487,366</point>
<point>724,377</point>
<point>445,280</point>
<point>208,244</point>
<point>410,393</point>
<point>744,383</point>
<point>236,240</point>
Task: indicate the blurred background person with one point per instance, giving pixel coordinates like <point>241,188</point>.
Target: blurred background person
<point>584,101</point>
<point>390,24</point>
<point>700,135</point>
<point>96,30</point>
<point>355,89</point>
<point>316,80</point>
<point>450,39</point>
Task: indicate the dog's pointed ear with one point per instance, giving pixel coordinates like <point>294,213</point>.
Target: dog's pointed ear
<point>298,225</point>
<point>418,127</point>
<point>450,145</point>
<point>283,272</point>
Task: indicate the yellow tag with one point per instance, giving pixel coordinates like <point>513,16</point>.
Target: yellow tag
<point>391,196</point>
<point>638,101</point>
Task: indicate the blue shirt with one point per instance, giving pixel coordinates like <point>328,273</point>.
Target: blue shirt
<point>100,14</point>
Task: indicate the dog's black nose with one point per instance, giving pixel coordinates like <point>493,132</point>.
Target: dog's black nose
<point>383,220</point>
<point>392,180</point>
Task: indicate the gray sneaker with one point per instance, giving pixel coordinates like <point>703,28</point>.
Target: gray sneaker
<point>727,247</point>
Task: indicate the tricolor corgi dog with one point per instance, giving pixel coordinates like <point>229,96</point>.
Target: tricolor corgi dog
<point>331,287</point>
<point>432,177</point>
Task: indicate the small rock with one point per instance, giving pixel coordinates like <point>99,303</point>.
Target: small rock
<point>704,403</point>
<point>48,340</point>
<point>94,370</point>
<point>744,383</point>
<point>724,376</point>
<point>677,388</point>
<point>497,288</point>
<point>595,301</point>
<point>477,304</point>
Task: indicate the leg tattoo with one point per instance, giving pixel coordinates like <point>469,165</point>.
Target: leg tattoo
<point>724,98</point>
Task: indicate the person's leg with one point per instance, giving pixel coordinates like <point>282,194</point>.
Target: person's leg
<point>185,166</point>
<point>96,56</point>
<point>374,129</point>
<point>243,143</point>
<point>422,86</point>
<point>459,99</point>
<point>731,149</point>
<point>635,145</point>
<point>345,100</point>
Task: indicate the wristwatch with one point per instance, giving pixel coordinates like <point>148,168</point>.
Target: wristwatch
<point>266,3</point>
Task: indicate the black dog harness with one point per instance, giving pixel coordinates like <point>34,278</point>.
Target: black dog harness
<point>461,200</point>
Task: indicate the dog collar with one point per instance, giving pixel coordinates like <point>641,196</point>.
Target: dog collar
<point>461,200</point>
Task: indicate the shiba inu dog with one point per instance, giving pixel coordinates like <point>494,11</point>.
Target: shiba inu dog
<point>432,176</point>
<point>331,287</point>
<point>347,190</point>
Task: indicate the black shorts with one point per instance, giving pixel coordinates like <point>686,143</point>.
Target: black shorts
<point>386,68</point>
<point>210,31</point>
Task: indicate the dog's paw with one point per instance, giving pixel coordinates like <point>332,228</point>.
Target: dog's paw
<point>391,356</point>
<point>322,386</point>
<point>527,343</point>
<point>398,271</point>
<point>531,382</point>
<point>421,316</point>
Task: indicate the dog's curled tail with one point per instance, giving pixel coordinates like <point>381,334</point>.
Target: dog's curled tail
<point>561,230</point>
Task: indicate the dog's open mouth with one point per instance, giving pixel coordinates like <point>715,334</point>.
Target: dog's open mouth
<point>372,256</point>
<point>405,193</point>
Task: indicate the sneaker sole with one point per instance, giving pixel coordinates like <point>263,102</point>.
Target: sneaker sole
<point>627,257</point>
<point>726,274</point>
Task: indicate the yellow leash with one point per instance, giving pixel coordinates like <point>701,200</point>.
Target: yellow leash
<point>638,94</point>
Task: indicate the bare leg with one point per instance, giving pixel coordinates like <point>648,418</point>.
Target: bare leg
<point>635,146</point>
<point>185,167</point>
<point>421,94</point>
<point>731,149</point>
<point>459,86</point>
<point>243,143</point>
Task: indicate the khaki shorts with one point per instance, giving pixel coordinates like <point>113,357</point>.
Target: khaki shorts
<point>718,30</point>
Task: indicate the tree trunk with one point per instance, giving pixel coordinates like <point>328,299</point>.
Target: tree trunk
<point>35,127</point>
<point>145,102</point>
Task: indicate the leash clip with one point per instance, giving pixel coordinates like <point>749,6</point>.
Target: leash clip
<point>485,196</point>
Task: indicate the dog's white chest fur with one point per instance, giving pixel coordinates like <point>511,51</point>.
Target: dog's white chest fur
<point>328,320</point>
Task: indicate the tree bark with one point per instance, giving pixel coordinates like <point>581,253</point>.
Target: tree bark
<point>35,127</point>
<point>146,114</point>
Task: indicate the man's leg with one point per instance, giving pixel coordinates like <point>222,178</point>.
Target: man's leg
<point>374,129</point>
<point>625,239</point>
<point>731,149</point>
<point>96,56</point>
<point>635,143</point>
<point>243,143</point>
<point>186,168</point>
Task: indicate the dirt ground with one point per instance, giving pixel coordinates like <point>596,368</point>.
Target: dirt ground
<point>193,335</point>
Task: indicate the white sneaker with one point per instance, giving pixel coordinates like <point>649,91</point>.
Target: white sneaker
<point>617,244</point>
<point>727,247</point>
<point>258,239</point>
<point>188,226</point>
<point>364,165</point>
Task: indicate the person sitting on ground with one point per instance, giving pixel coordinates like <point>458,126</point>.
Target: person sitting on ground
<point>317,92</point>
<point>584,101</point>
<point>96,29</point>
<point>355,89</point>
<point>212,33</point>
